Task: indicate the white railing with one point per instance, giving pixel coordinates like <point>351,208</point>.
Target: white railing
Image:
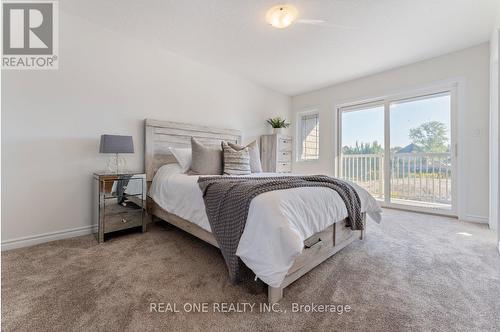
<point>367,170</point>
<point>424,177</point>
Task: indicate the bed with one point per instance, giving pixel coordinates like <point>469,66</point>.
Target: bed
<point>287,232</point>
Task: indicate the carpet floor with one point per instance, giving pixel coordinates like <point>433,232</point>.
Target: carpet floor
<point>412,272</point>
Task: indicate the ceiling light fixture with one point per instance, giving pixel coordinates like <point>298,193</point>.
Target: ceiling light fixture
<point>281,16</point>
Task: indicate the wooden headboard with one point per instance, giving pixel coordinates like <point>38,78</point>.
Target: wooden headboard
<point>160,135</point>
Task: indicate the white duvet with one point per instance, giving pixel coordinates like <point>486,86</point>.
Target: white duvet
<point>278,221</point>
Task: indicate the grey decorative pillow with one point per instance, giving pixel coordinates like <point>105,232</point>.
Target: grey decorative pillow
<point>236,162</point>
<point>253,150</point>
<point>205,160</point>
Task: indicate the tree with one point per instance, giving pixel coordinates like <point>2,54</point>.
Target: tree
<point>430,136</point>
<point>363,148</point>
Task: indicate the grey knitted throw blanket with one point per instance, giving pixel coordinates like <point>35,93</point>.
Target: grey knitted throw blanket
<point>227,201</point>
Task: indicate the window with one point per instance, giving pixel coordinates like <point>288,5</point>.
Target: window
<point>308,136</point>
<point>401,149</point>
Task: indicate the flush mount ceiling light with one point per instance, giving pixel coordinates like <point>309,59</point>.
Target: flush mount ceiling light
<point>281,16</point>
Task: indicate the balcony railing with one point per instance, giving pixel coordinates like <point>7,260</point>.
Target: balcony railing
<point>423,177</point>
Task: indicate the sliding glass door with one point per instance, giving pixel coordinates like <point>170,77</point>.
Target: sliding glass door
<point>402,150</point>
<point>362,149</point>
<point>421,159</point>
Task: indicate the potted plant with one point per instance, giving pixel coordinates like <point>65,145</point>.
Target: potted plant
<point>278,123</point>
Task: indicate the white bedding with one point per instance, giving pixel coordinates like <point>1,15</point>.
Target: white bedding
<point>278,221</point>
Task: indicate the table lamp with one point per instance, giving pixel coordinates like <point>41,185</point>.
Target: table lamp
<point>116,144</point>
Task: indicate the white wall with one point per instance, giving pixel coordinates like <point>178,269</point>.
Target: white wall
<point>496,92</point>
<point>494,128</point>
<point>106,83</point>
<point>471,65</point>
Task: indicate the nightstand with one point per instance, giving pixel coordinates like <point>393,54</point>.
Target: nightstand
<point>119,202</point>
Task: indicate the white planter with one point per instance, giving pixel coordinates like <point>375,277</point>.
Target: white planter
<point>278,131</point>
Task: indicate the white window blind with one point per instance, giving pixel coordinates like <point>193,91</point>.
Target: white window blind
<point>309,136</point>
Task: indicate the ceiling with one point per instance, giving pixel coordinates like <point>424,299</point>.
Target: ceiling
<point>360,37</point>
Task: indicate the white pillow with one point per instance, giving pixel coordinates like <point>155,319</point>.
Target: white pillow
<point>183,156</point>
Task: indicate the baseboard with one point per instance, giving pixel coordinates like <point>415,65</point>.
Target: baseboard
<point>475,218</point>
<point>31,240</point>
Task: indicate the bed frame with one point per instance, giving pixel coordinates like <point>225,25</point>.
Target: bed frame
<point>160,135</point>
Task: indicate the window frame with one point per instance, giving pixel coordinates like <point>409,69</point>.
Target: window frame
<point>298,146</point>
<point>452,87</point>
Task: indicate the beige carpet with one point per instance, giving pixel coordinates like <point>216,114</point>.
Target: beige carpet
<point>412,272</point>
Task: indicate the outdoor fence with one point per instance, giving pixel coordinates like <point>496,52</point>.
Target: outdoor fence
<point>424,177</point>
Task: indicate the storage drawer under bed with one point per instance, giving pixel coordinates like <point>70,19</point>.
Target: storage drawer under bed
<point>322,243</point>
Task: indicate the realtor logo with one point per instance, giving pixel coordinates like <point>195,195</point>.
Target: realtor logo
<point>29,36</point>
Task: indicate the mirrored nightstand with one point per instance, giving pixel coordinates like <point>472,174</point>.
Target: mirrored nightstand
<point>119,202</point>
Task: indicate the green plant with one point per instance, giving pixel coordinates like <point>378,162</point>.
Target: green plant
<point>278,122</point>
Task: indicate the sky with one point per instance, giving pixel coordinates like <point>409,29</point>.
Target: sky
<point>368,125</point>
